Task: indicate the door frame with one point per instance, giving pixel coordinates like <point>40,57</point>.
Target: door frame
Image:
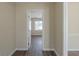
<point>27,21</point>
<point>65,29</point>
<point>27,28</point>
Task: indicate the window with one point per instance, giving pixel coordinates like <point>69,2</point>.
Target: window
<point>38,25</point>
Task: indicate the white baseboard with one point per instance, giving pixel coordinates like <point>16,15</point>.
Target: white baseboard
<point>43,50</point>
<point>74,34</point>
<point>12,52</point>
<point>36,34</point>
<point>48,49</point>
<point>51,50</point>
<point>21,49</point>
<point>56,52</point>
<point>73,49</point>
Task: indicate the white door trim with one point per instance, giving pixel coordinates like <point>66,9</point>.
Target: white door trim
<point>65,29</point>
<point>29,10</point>
<point>27,29</point>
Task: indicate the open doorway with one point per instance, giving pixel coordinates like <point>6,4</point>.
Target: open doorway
<point>35,31</point>
<point>36,36</point>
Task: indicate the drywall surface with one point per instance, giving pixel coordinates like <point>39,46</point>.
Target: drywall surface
<point>73,16</point>
<point>7,28</point>
<point>58,25</point>
<point>51,25</point>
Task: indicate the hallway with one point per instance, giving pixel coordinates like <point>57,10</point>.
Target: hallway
<point>36,48</point>
<point>36,45</point>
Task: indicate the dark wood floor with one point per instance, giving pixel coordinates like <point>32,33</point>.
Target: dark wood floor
<point>35,49</point>
<point>27,53</point>
<point>73,53</point>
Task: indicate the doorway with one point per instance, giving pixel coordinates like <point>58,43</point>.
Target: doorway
<point>35,30</point>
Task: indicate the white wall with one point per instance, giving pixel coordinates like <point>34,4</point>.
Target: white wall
<point>7,28</point>
<point>51,26</point>
<point>73,16</point>
<point>36,14</point>
<point>21,40</point>
<point>58,25</point>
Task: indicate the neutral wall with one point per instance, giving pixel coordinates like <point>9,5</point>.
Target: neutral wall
<point>51,25</point>
<point>73,16</point>
<point>7,28</point>
<point>21,40</point>
<point>58,28</point>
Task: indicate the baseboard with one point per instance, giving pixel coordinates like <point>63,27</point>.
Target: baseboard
<point>21,49</point>
<point>73,49</point>
<point>36,35</point>
<point>48,49</point>
<point>12,52</point>
<point>52,50</point>
<point>56,52</point>
<point>74,34</point>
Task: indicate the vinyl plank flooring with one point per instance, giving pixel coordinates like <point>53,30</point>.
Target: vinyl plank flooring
<point>35,49</point>
<point>36,45</point>
<point>73,53</point>
<point>49,53</point>
<point>19,53</point>
<point>28,53</point>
